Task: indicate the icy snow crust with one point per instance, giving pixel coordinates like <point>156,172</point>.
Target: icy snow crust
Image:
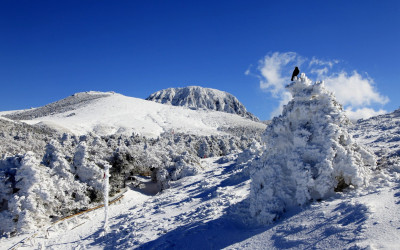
<point>111,113</point>
<point>196,97</point>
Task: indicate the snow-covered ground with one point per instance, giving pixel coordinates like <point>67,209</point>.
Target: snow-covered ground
<point>208,211</point>
<point>111,113</point>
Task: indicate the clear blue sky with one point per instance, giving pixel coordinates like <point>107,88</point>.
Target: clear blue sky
<point>52,49</point>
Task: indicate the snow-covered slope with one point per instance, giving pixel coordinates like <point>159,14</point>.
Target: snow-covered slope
<point>111,113</point>
<point>210,211</point>
<point>195,97</point>
<point>381,133</point>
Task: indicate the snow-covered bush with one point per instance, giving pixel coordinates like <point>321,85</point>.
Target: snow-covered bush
<point>35,190</point>
<point>87,170</point>
<point>71,192</point>
<point>309,154</point>
<point>34,193</point>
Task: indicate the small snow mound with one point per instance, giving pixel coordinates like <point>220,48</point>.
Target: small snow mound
<point>196,97</point>
<point>309,154</point>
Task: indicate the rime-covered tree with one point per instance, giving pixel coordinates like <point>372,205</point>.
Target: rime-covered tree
<point>309,154</point>
<point>87,170</point>
<point>34,199</point>
<point>70,192</point>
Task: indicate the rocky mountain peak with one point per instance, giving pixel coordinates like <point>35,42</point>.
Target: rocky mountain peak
<point>196,97</point>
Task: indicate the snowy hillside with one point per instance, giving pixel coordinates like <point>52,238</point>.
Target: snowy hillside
<point>195,97</point>
<point>53,157</point>
<point>381,134</point>
<point>111,113</point>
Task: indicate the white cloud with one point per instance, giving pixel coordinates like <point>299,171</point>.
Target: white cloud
<point>315,61</point>
<point>364,113</point>
<point>276,70</point>
<point>271,69</point>
<point>355,92</point>
<point>285,98</point>
<point>320,72</point>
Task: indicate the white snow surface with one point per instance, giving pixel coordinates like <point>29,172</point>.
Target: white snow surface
<point>209,210</point>
<point>112,113</point>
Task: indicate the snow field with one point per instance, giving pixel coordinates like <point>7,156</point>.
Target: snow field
<point>118,114</point>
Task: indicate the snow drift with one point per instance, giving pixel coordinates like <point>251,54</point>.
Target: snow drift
<point>309,154</point>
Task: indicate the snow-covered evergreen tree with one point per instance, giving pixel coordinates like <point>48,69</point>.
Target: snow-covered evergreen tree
<point>309,154</point>
<point>87,170</point>
<point>34,200</point>
<point>70,192</point>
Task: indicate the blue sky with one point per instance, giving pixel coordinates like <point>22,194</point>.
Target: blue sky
<point>52,49</point>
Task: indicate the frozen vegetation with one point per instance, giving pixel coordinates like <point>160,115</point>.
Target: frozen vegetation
<point>196,178</point>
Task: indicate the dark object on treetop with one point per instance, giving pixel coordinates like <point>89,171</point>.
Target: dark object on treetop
<point>296,71</point>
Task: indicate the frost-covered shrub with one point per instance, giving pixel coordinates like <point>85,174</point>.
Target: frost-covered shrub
<point>36,193</point>
<point>250,154</point>
<point>308,155</point>
<point>87,170</point>
<point>34,196</point>
<point>71,192</point>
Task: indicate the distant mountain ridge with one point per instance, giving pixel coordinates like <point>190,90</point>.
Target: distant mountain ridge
<point>67,104</point>
<point>196,97</point>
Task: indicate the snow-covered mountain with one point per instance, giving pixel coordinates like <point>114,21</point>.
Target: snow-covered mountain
<point>188,175</point>
<point>112,113</point>
<point>196,97</point>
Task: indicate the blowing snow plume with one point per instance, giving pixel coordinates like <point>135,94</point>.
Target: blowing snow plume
<point>309,154</point>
